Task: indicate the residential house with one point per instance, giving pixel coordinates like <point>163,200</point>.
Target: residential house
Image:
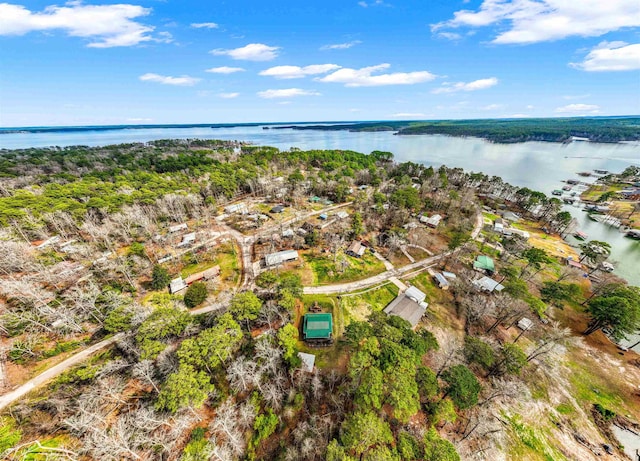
<point>317,327</point>
<point>356,249</point>
<point>236,208</point>
<point>487,284</point>
<point>484,264</point>
<point>409,305</point>
<point>441,281</point>
<point>280,257</point>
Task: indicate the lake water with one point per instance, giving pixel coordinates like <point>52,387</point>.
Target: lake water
<point>539,166</point>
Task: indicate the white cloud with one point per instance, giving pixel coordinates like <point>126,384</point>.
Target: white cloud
<point>340,46</point>
<point>224,70</point>
<point>578,109</point>
<point>364,4</point>
<point>481,84</point>
<point>493,107</point>
<point>183,80</point>
<point>228,95</point>
<point>363,77</point>
<point>531,21</point>
<point>204,25</point>
<point>611,56</point>
<point>409,115</point>
<point>286,72</point>
<point>139,120</point>
<point>286,93</point>
<point>530,107</point>
<point>251,52</point>
<point>449,35</point>
<point>104,25</point>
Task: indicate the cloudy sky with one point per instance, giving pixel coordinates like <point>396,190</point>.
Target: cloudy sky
<point>185,61</point>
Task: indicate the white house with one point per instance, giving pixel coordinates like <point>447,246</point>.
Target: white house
<point>177,285</point>
<point>177,228</point>
<point>236,208</point>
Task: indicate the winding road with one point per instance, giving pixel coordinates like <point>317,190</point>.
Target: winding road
<point>245,243</point>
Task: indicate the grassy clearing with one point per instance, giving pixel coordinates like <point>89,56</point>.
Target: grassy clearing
<point>359,307</point>
<point>590,387</point>
<point>489,217</point>
<point>529,442</point>
<point>345,268</point>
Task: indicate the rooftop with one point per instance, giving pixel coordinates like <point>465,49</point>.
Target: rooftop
<point>317,326</point>
<point>484,263</point>
<point>405,307</point>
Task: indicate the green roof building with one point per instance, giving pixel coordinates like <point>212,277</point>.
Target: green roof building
<point>484,263</point>
<point>317,326</point>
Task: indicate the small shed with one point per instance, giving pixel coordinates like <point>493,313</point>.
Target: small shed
<point>434,221</point>
<point>275,259</point>
<point>288,233</point>
<point>356,249</point>
<point>415,294</point>
<point>315,199</point>
<point>317,326</point>
<point>277,209</point>
<point>342,214</point>
<point>525,324</point>
<point>323,216</point>
<point>484,263</point>
<point>511,216</point>
<point>449,275</point>
<point>573,263</point>
<point>177,285</point>
<point>308,361</point>
<point>442,282</point>
<point>488,284</point>
<point>188,239</point>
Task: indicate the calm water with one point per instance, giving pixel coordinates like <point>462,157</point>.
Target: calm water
<point>539,166</point>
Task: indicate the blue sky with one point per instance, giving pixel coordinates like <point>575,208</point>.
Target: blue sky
<point>150,61</point>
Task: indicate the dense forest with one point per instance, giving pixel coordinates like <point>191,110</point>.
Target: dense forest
<point>597,129</point>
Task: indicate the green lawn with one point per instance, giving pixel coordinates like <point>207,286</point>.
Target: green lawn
<point>345,269</point>
<point>359,307</point>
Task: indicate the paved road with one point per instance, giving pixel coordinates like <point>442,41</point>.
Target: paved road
<point>245,243</point>
<point>55,371</point>
<point>376,279</point>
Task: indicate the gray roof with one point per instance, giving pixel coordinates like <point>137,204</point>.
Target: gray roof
<point>413,292</point>
<point>274,259</point>
<point>488,284</point>
<point>406,308</point>
<point>308,361</point>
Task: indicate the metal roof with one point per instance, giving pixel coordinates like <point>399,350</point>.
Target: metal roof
<point>274,259</point>
<point>317,326</point>
<point>484,262</point>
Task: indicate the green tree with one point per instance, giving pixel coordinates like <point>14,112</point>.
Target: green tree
<point>264,425</point>
<point>458,238</point>
<point>370,391</point>
<point>427,383</point>
<point>267,279</point>
<point>196,294</point>
<point>558,291</point>
<point>462,386</point>
<point>137,249</point>
<point>617,310</point>
<point>212,346</point>
<point>118,319</point>
<point>402,390</point>
<point>438,449</point>
<point>357,225</point>
<point>288,341</point>
<point>479,352</point>
<point>443,412</point>
<point>245,306</point>
<point>511,361</point>
<point>595,251</point>
<point>160,277</point>
<point>362,431</point>
<point>536,258</point>
<point>336,452</point>
<point>409,448</point>
<point>185,387</point>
